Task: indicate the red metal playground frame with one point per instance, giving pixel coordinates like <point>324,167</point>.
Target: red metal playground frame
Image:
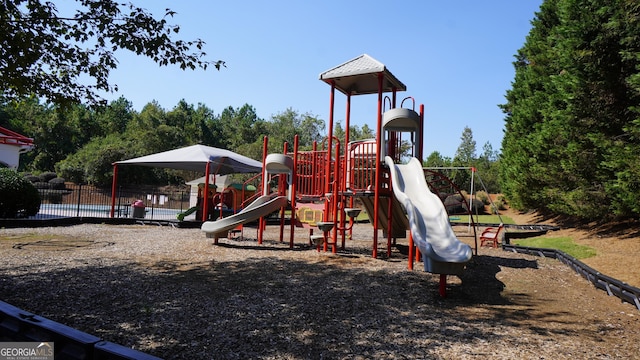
<point>337,171</point>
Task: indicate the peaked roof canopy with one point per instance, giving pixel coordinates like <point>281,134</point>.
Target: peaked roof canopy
<point>196,157</point>
<point>360,76</point>
<point>13,138</point>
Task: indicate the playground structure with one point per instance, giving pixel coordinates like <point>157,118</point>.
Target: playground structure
<point>265,204</point>
<point>332,177</point>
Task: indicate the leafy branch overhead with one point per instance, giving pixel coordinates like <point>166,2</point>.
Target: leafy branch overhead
<point>45,53</point>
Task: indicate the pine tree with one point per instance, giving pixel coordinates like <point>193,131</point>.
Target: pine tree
<point>572,111</point>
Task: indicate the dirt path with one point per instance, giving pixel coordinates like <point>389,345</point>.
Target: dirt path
<point>617,247</point>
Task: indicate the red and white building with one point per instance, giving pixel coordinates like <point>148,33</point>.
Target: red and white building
<point>12,145</point>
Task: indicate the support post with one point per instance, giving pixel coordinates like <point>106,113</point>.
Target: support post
<point>265,186</point>
<point>411,252</point>
<point>293,188</point>
<point>205,201</point>
<point>377,183</point>
<point>443,286</point>
<point>113,190</point>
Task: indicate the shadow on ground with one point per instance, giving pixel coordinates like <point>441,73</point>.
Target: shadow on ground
<point>270,306</point>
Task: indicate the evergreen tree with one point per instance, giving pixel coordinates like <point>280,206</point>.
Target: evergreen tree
<point>285,125</point>
<point>435,160</point>
<point>466,152</point>
<point>240,126</point>
<point>113,118</point>
<point>210,127</point>
<point>487,166</point>
<point>573,109</point>
<point>465,157</point>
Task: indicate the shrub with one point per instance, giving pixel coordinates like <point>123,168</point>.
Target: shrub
<point>47,176</point>
<point>57,183</point>
<point>18,197</point>
<point>41,185</point>
<point>455,205</point>
<point>497,206</point>
<point>477,207</point>
<point>73,172</point>
<point>32,178</point>
<point>484,197</point>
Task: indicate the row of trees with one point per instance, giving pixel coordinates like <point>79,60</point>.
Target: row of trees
<point>44,54</point>
<point>572,132</point>
<point>80,143</point>
<point>572,116</point>
<point>486,165</point>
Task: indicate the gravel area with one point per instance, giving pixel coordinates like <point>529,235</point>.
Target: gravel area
<point>170,292</point>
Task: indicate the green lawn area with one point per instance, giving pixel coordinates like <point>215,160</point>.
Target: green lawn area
<point>564,244</point>
<point>482,219</point>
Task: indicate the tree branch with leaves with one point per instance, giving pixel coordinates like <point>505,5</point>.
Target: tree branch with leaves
<point>46,54</point>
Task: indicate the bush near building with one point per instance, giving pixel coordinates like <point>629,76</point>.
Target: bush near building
<point>18,197</point>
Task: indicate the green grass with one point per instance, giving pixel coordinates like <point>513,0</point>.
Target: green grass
<point>363,216</point>
<point>482,219</point>
<point>564,244</point>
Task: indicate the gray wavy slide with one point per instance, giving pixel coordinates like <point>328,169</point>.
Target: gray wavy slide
<point>441,250</point>
<point>262,206</point>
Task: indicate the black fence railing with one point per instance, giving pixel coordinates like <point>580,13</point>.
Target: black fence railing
<point>88,201</point>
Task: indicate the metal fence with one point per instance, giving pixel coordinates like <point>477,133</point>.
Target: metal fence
<point>88,201</point>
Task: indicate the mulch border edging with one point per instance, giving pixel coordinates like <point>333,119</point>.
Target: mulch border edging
<point>613,287</point>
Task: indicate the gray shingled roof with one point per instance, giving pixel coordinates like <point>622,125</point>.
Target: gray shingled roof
<point>359,76</point>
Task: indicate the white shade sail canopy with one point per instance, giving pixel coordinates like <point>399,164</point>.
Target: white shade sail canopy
<point>196,157</point>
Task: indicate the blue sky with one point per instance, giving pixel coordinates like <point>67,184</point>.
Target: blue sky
<point>455,57</point>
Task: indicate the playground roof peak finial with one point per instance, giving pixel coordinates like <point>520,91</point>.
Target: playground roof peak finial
<point>358,76</point>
